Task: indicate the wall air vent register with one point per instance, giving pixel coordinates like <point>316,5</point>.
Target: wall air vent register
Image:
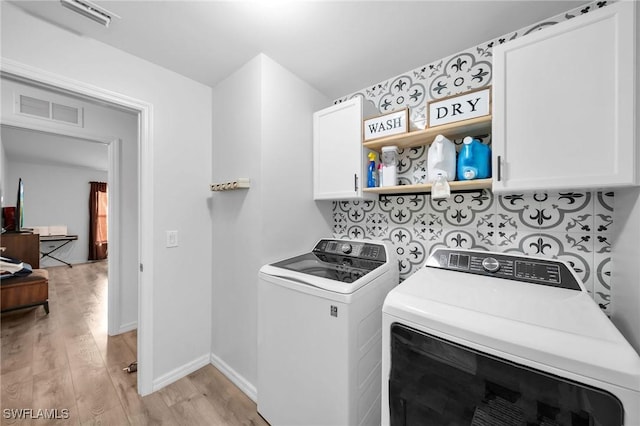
<point>48,110</point>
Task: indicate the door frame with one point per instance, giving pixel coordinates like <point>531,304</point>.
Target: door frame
<point>145,202</point>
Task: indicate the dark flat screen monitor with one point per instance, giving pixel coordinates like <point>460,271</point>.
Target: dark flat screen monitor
<point>20,206</point>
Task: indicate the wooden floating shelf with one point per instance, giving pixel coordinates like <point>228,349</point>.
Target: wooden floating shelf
<point>462,185</point>
<point>471,127</point>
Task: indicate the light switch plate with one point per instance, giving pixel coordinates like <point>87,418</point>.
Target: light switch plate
<point>172,238</point>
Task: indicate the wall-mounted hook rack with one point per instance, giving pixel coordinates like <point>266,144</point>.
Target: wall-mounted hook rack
<point>239,183</point>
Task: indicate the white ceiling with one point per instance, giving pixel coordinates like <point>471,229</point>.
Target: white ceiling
<point>44,148</point>
<point>338,47</point>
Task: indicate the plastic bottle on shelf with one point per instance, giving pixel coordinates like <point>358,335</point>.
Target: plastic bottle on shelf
<point>440,188</point>
<point>441,159</point>
<point>474,160</point>
<point>372,172</point>
<point>388,160</point>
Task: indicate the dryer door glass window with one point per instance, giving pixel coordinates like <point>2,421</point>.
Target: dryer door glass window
<point>436,382</point>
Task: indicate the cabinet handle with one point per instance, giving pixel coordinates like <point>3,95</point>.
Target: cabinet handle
<point>355,182</point>
<point>499,168</point>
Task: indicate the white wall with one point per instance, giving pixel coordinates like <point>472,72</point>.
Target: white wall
<point>57,195</point>
<point>181,169</point>
<point>237,220</point>
<point>293,222</point>
<point>263,131</point>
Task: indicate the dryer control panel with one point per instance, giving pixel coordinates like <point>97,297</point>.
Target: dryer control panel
<point>500,265</point>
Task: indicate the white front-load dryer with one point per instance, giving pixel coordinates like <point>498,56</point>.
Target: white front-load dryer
<point>319,334</point>
<point>481,338</point>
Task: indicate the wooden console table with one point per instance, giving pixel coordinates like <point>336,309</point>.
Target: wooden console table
<point>64,239</point>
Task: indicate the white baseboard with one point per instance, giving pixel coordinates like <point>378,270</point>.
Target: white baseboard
<point>180,372</point>
<point>128,327</point>
<point>245,386</point>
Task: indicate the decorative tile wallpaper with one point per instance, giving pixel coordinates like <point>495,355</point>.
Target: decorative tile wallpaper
<point>571,226</point>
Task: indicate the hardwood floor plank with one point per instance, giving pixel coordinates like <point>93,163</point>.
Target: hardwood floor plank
<point>66,360</point>
<point>94,392</point>
<point>82,352</point>
<point>17,388</point>
<point>154,412</point>
<point>53,389</point>
<point>70,317</point>
<point>126,388</point>
<point>178,391</point>
<point>197,411</point>
<point>116,352</point>
<point>16,322</point>
<point>237,407</point>
<point>49,351</point>
<point>16,421</point>
<point>17,351</point>
<point>131,338</point>
<point>114,416</point>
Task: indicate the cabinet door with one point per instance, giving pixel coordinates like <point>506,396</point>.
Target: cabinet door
<point>564,104</point>
<point>338,152</point>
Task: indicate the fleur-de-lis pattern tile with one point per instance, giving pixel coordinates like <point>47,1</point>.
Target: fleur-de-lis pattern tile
<point>574,226</point>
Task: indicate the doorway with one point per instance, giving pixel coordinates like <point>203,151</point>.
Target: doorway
<point>140,242</point>
<point>58,161</point>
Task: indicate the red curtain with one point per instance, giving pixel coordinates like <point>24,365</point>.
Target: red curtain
<point>98,206</point>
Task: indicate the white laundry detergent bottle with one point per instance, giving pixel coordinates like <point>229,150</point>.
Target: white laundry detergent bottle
<point>441,159</point>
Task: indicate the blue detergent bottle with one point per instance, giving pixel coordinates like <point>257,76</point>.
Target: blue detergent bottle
<point>474,160</point>
<point>372,173</point>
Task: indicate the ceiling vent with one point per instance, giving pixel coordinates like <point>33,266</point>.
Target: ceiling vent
<point>65,113</point>
<point>48,110</point>
<point>90,10</point>
<point>33,106</point>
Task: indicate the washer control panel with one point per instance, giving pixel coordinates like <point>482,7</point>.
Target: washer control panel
<point>518,268</point>
<point>359,249</point>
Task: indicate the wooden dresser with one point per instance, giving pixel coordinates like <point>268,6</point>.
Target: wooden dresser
<point>24,247</point>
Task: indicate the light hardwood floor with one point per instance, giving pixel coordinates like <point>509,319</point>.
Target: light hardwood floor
<point>66,361</point>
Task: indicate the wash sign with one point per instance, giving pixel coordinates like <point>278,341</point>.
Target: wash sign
<point>386,125</point>
<point>460,107</point>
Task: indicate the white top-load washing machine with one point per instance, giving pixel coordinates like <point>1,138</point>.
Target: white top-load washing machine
<point>481,338</point>
<point>319,334</point>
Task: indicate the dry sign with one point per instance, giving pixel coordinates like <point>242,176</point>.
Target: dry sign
<point>460,107</point>
<point>386,125</point>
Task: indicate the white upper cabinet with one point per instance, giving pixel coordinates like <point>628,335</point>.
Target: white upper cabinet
<point>564,104</point>
<point>338,163</point>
